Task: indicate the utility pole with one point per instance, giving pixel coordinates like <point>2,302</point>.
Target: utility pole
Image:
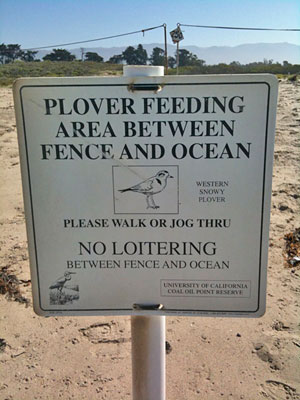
<point>82,53</point>
<point>166,49</point>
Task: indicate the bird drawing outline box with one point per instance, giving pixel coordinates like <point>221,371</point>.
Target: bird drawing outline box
<point>157,194</point>
<point>148,191</point>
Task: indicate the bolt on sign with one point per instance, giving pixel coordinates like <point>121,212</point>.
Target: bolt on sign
<point>147,191</point>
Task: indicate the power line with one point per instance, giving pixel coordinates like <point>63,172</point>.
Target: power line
<point>156,27</point>
<point>239,28</point>
<point>95,40</point>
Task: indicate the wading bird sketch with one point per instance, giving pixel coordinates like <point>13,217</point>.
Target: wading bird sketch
<point>59,297</point>
<point>60,282</point>
<point>150,187</point>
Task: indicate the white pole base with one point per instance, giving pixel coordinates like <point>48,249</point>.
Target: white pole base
<point>143,70</point>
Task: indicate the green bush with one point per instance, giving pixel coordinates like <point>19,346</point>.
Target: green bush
<point>20,69</point>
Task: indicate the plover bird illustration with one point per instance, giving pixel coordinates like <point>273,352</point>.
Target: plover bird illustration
<point>150,187</point>
<point>60,282</point>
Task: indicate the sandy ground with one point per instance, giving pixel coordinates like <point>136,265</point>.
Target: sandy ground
<point>210,358</point>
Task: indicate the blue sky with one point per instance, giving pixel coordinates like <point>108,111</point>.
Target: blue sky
<point>34,23</point>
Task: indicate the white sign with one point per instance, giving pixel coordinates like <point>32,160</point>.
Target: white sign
<point>151,191</point>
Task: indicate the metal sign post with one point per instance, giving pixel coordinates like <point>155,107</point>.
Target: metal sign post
<point>177,36</point>
<point>148,357</point>
<point>147,332</point>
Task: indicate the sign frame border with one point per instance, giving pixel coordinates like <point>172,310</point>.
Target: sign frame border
<point>21,84</point>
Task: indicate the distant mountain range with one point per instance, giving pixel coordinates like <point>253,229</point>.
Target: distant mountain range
<point>244,53</point>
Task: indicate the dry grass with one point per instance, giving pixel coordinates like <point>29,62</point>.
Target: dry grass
<point>292,248</point>
<point>10,287</point>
